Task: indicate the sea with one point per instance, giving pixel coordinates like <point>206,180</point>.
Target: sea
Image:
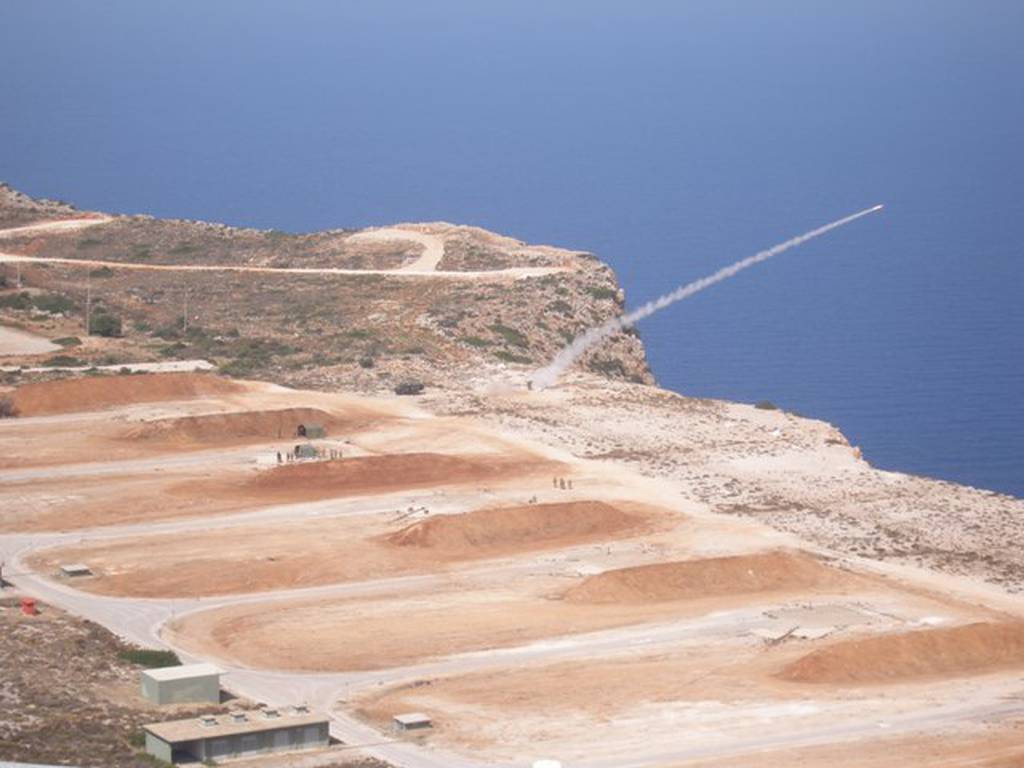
<point>668,138</point>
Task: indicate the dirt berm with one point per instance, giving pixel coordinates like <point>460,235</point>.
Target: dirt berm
<point>515,528</point>
<point>97,392</point>
<point>242,425</point>
<point>972,649</point>
<point>367,474</point>
<point>709,577</point>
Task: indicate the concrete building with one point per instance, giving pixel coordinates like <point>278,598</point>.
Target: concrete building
<point>238,734</point>
<point>412,721</point>
<point>71,570</point>
<point>187,683</point>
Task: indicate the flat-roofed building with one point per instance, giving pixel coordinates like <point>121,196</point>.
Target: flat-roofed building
<point>239,734</point>
<point>182,684</point>
<point>72,570</point>
<point>411,721</point>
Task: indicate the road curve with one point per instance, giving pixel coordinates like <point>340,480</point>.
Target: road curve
<point>425,267</point>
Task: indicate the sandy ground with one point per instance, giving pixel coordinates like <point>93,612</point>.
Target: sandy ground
<point>330,550</point>
<point>17,342</point>
<point>444,564</point>
<point>994,746</point>
<point>164,366</point>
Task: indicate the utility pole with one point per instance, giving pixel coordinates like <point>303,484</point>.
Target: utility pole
<point>184,315</point>
<point>88,306</point>
<point>17,266</point>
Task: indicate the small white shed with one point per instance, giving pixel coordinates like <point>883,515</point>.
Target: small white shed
<point>186,683</point>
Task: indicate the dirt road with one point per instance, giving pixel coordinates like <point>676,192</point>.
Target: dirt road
<point>425,267</point>
<point>433,246</point>
<point>679,720</point>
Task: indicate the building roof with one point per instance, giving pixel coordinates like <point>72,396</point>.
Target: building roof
<point>176,731</point>
<point>183,672</point>
<point>75,568</point>
<point>412,718</point>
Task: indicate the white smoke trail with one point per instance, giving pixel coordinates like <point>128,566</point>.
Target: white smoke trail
<point>548,375</point>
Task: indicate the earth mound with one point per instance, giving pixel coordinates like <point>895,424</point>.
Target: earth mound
<point>715,576</point>
<point>971,649</point>
<point>364,474</point>
<point>219,427</point>
<point>98,392</point>
<point>517,528</point>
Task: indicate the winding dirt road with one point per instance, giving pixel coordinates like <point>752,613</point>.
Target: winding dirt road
<point>147,621</point>
<point>425,267</point>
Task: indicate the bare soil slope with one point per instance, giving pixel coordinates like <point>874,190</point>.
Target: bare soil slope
<point>365,474</point>
<point>97,392</point>
<point>972,649</point>
<point>690,579</point>
<point>517,528</point>
<point>312,553</point>
<point>237,426</point>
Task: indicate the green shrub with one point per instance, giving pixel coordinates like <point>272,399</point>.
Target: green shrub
<point>253,354</point>
<point>509,357</point>
<point>608,366</point>
<point>476,341</point>
<point>16,301</point>
<point>148,657</point>
<point>560,306</point>
<point>766,405</point>
<point>170,331</point>
<point>89,242</point>
<point>103,324</point>
<point>602,293</point>
<point>63,361</point>
<point>101,272</point>
<point>510,335</point>
<point>409,388</point>
<point>8,410</point>
<point>68,341</point>
<point>172,350</point>
<point>53,303</point>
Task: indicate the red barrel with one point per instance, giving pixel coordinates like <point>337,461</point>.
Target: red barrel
<point>28,606</point>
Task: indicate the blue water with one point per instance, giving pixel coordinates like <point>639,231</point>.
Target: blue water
<point>670,138</point>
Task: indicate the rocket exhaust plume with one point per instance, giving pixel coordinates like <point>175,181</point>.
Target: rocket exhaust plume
<point>545,377</point>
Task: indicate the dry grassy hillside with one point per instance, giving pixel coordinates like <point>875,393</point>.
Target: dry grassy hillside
<point>320,330</point>
<point>18,209</point>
